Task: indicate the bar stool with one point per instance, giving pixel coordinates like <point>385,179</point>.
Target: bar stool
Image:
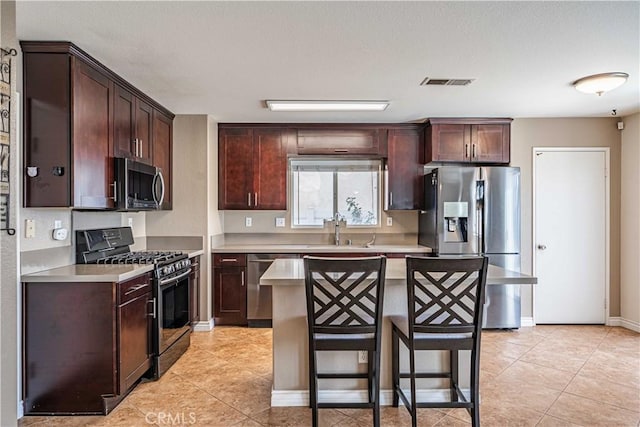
<point>344,313</point>
<point>446,297</point>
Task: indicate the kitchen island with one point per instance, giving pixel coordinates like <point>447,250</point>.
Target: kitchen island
<point>290,361</point>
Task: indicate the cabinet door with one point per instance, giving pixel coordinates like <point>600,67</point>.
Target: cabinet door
<point>235,174</point>
<point>270,169</point>
<point>347,140</point>
<point>490,143</point>
<point>404,169</point>
<point>448,143</point>
<point>144,131</point>
<point>134,340</point>
<point>230,296</point>
<point>163,153</point>
<point>123,127</point>
<point>92,166</point>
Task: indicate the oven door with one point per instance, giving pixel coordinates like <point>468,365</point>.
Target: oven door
<point>173,310</point>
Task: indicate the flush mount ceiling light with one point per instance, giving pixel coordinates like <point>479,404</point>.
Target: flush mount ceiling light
<point>327,105</point>
<point>600,83</point>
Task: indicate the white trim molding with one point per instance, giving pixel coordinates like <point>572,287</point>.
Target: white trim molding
<point>526,322</point>
<point>203,326</point>
<point>301,397</point>
<point>624,323</point>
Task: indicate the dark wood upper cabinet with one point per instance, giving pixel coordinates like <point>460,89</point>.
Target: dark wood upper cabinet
<point>252,168</point>
<point>132,127</point>
<point>163,153</point>
<point>404,169</point>
<point>78,115</point>
<point>67,133</point>
<point>468,141</point>
<point>341,139</point>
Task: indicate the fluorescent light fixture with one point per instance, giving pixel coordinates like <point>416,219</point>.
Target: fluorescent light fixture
<point>600,83</point>
<point>327,105</point>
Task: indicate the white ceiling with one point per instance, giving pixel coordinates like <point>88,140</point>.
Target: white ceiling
<point>226,58</point>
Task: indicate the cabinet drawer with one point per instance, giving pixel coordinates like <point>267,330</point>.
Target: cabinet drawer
<point>133,288</point>
<point>229,260</point>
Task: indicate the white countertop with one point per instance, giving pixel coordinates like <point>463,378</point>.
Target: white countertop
<point>96,272</point>
<point>287,271</point>
<point>316,248</point>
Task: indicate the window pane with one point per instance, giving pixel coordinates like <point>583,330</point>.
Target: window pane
<point>358,197</point>
<point>313,197</point>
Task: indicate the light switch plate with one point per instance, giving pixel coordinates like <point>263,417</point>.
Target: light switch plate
<point>280,222</point>
<point>57,224</point>
<point>248,222</point>
<point>389,221</point>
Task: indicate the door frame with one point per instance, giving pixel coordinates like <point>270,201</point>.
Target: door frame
<point>607,207</point>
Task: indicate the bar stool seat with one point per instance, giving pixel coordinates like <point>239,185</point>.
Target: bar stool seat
<point>344,313</point>
<point>445,300</point>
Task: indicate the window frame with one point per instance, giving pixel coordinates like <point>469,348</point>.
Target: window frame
<point>378,163</point>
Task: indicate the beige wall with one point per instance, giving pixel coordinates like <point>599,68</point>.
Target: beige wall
<point>630,224</point>
<point>566,132</point>
<point>9,247</point>
<point>190,197</point>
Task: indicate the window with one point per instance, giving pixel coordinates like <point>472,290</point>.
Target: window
<point>322,188</point>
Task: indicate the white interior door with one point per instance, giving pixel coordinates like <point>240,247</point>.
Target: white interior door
<point>570,237</point>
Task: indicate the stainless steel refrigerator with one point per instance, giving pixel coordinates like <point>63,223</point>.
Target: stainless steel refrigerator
<point>473,211</point>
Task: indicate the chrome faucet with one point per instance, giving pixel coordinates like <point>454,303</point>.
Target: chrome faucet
<point>370,242</point>
<point>337,218</point>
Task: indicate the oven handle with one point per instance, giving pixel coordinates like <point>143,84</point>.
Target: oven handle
<point>175,279</point>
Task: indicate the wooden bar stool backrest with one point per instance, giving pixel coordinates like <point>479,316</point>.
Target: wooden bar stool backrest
<point>446,295</point>
<point>344,295</point>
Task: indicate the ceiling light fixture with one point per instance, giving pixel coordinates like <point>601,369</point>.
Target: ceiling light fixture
<point>327,105</point>
<point>600,83</point>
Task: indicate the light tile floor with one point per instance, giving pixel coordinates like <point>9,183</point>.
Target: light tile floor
<point>540,376</point>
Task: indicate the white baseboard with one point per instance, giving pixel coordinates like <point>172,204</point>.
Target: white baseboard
<point>203,326</point>
<point>625,323</point>
<point>526,322</point>
<point>301,397</point>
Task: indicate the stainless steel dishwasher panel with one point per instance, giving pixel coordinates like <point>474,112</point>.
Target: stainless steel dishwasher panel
<point>259,297</point>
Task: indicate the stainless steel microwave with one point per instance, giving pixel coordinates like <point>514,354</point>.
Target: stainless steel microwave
<point>138,186</point>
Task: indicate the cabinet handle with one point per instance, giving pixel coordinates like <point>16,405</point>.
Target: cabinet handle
<point>229,260</point>
<point>390,198</point>
<point>341,150</point>
<point>255,199</point>
<point>140,155</point>
<point>466,150</point>
<point>115,192</point>
<point>135,288</point>
<point>249,199</point>
<point>153,312</point>
<point>473,148</point>
<point>242,272</point>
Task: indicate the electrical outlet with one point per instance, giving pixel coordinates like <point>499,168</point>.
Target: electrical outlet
<point>279,222</point>
<point>248,222</point>
<point>57,224</point>
<point>389,221</point>
<point>130,222</point>
<point>362,356</point>
<point>29,229</point>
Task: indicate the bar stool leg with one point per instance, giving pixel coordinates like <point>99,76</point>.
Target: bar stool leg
<point>412,375</point>
<point>453,370</point>
<point>313,387</point>
<point>395,365</point>
<point>376,387</point>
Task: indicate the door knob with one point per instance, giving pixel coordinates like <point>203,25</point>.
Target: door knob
<point>542,247</point>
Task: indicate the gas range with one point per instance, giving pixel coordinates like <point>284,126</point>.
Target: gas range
<point>111,246</point>
<point>171,287</point>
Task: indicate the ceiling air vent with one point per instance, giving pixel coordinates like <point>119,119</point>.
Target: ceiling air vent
<point>445,82</point>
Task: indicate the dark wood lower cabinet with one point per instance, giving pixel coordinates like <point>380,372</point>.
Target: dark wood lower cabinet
<point>84,344</point>
<point>230,289</point>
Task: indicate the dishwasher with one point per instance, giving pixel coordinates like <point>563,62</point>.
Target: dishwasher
<point>259,297</point>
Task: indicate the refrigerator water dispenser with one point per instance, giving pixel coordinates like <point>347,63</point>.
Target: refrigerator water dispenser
<point>456,216</point>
